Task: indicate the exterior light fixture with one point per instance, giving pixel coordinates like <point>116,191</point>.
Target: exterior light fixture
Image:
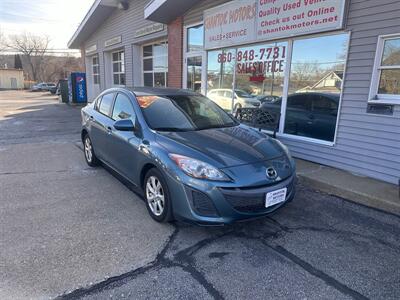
<point>123,5</point>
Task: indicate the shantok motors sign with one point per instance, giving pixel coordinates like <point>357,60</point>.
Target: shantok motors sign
<point>245,21</point>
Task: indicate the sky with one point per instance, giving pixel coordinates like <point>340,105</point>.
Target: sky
<point>56,18</point>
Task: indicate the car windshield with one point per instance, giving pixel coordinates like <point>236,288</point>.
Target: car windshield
<point>243,94</point>
<point>183,113</point>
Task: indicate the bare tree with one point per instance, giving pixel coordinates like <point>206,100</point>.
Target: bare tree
<point>33,48</point>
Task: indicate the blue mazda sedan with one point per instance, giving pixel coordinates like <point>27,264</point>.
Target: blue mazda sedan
<point>189,159</point>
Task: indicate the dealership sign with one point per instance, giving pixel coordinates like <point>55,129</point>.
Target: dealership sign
<point>113,41</point>
<point>246,21</point>
<point>91,49</point>
<point>153,28</point>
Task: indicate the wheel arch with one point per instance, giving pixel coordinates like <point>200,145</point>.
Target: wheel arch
<point>84,132</point>
<point>146,168</point>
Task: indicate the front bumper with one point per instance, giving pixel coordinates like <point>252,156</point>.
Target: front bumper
<point>206,203</point>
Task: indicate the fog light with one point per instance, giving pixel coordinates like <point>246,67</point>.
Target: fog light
<point>203,205</point>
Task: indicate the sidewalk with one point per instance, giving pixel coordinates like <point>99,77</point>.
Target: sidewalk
<point>363,190</point>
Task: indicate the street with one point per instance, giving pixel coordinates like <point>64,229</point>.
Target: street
<point>72,232</point>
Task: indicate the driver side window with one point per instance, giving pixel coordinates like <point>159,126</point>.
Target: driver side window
<point>123,109</point>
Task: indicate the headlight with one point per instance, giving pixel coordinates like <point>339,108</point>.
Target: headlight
<point>198,169</point>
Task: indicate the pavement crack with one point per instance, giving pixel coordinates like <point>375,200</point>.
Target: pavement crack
<point>317,273</point>
<point>333,231</point>
<point>201,279</point>
<point>184,259</point>
<point>119,280</point>
<point>300,262</point>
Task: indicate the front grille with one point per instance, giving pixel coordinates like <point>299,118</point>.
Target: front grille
<point>249,200</point>
<point>251,204</point>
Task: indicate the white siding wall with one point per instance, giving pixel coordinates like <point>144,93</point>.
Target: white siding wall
<point>366,144</point>
<point>9,75</point>
<point>124,23</point>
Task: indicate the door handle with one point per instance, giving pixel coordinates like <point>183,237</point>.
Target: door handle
<point>109,129</point>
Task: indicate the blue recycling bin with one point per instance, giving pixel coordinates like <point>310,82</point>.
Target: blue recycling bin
<point>77,87</point>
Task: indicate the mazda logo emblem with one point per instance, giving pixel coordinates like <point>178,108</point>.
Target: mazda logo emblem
<point>271,173</point>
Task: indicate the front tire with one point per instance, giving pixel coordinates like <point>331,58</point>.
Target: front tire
<point>157,197</point>
<point>90,157</point>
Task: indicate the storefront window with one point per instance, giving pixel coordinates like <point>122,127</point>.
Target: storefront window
<point>389,82</point>
<point>118,67</point>
<point>315,86</point>
<point>195,36</point>
<point>155,65</point>
<point>220,75</point>
<point>254,76</point>
<point>96,69</point>
<point>260,73</point>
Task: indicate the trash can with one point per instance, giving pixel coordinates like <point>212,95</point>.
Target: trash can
<point>64,91</point>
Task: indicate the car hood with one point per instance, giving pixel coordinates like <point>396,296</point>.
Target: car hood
<point>223,147</point>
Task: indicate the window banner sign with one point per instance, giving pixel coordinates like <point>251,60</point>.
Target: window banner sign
<point>238,22</point>
<point>282,18</point>
<point>230,23</point>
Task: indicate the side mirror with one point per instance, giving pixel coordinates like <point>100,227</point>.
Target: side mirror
<point>124,125</point>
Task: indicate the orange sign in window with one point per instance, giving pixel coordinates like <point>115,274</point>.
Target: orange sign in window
<point>146,101</point>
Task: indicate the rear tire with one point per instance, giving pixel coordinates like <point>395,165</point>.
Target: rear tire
<point>157,197</point>
<point>90,157</point>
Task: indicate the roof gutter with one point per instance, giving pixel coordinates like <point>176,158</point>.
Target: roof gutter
<point>94,16</point>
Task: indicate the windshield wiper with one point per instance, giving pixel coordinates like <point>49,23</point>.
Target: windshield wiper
<point>172,129</point>
<point>218,126</point>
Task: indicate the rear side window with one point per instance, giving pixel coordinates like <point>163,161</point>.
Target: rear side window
<point>123,108</point>
<point>105,104</point>
<point>228,94</point>
<point>220,93</point>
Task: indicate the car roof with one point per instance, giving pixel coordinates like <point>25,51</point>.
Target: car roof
<point>150,91</point>
<point>333,96</point>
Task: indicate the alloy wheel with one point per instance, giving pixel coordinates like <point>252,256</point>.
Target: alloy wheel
<point>88,150</point>
<point>155,195</point>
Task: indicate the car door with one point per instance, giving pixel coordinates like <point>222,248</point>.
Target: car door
<point>324,116</point>
<point>101,125</point>
<point>122,147</point>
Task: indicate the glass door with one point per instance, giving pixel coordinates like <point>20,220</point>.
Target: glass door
<point>194,73</point>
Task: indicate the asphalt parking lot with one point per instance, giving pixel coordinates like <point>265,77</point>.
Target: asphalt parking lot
<point>72,232</point>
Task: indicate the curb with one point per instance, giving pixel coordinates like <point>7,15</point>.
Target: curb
<point>352,196</point>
